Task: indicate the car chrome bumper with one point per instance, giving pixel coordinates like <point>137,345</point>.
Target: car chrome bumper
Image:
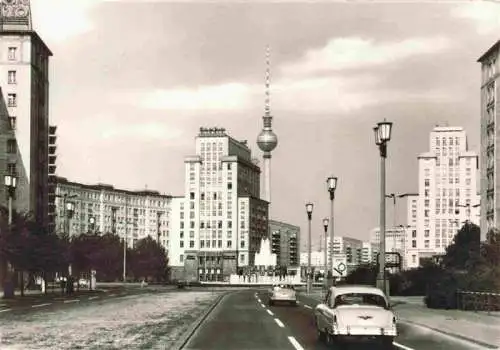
<point>365,331</point>
<point>282,298</point>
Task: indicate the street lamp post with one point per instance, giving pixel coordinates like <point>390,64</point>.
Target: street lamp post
<point>10,182</point>
<point>325,255</point>
<point>331,186</point>
<point>91,224</point>
<point>70,210</point>
<point>309,210</point>
<point>382,137</point>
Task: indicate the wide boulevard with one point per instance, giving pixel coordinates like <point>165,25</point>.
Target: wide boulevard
<point>243,320</point>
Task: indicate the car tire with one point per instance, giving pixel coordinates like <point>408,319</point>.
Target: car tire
<point>386,342</point>
<point>321,334</point>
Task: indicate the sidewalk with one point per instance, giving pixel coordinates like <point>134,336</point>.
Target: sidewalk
<point>477,327</point>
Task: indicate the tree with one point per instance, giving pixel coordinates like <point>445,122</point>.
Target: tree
<point>465,251</point>
<point>149,260</point>
<point>364,274</point>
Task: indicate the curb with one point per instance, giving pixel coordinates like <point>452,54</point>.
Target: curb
<point>184,339</point>
<point>450,334</point>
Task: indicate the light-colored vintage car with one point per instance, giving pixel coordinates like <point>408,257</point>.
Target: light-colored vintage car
<point>282,293</point>
<point>357,313</point>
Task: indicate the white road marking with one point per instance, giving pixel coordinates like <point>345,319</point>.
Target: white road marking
<point>401,346</point>
<point>5,310</point>
<point>71,301</point>
<point>41,305</point>
<point>112,295</point>
<point>307,306</point>
<point>262,305</point>
<point>295,343</point>
<point>92,298</point>
<point>270,312</point>
<point>279,323</point>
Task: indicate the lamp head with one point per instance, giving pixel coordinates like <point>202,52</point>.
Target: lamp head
<point>309,208</point>
<point>325,222</point>
<point>384,131</point>
<point>332,183</point>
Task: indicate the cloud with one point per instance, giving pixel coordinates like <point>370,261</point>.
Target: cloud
<point>354,52</point>
<point>58,20</point>
<point>486,15</point>
<point>216,97</point>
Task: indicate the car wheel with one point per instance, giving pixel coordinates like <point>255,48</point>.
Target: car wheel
<point>386,342</point>
<point>321,334</point>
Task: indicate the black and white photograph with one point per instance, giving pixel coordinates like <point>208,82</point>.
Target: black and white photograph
<point>249,174</point>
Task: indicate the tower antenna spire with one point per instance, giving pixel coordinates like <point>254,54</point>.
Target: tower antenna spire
<point>268,81</point>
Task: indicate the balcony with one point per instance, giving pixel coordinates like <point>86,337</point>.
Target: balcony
<point>52,140</point>
<point>52,159</point>
<point>52,169</point>
<point>52,129</point>
<point>52,149</point>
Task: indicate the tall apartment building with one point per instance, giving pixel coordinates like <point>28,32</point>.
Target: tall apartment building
<point>221,218</point>
<point>369,253</point>
<point>395,242</point>
<point>352,248</point>
<point>24,80</point>
<point>447,191</point>
<point>490,181</point>
<point>132,215</point>
<point>285,240</point>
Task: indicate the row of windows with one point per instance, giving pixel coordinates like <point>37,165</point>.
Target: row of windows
<point>442,140</point>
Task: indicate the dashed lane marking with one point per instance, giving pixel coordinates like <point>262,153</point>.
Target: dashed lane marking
<point>71,301</point>
<point>92,298</point>
<point>401,346</point>
<point>279,323</point>
<point>307,306</point>
<point>5,310</point>
<point>112,295</point>
<point>295,343</point>
<point>270,312</point>
<point>41,305</point>
<point>262,305</point>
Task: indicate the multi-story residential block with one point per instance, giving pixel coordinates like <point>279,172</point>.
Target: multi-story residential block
<point>24,80</point>
<point>447,191</point>
<point>395,242</point>
<point>369,253</point>
<point>490,114</point>
<point>101,208</point>
<point>284,243</point>
<point>352,248</point>
<point>222,219</point>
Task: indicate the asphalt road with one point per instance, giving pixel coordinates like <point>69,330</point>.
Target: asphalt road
<point>245,321</point>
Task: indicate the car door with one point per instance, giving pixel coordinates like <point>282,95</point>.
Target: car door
<point>322,317</point>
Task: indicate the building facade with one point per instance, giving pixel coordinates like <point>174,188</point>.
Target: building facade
<point>447,191</point>
<point>24,79</point>
<point>132,215</point>
<point>221,218</point>
<point>285,240</point>
<point>490,118</point>
<point>395,242</point>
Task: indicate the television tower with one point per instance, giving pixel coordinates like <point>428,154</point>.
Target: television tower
<point>267,139</point>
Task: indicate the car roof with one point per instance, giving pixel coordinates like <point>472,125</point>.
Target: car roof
<point>338,290</point>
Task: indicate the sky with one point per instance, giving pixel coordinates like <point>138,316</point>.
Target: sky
<point>131,82</point>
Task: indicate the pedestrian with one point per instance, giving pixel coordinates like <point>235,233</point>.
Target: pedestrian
<point>143,283</point>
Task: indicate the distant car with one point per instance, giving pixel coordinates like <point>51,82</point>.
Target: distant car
<point>357,313</point>
<point>82,282</point>
<point>282,293</point>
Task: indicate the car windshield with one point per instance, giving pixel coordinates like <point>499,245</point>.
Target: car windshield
<point>360,299</point>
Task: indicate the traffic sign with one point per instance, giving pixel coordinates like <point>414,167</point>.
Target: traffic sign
<point>341,267</point>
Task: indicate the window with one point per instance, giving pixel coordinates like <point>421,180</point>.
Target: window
<point>181,244</point>
<point>12,77</point>
<point>11,168</point>
<point>229,186</point>
<point>242,258</point>
<point>229,244</point>
<point>202,244</point>
<point>427,182</point>
<point>426,243</point>
<point>12,53</point>
<point>12,100</point>
<point>202,196</point>
<point>191,244</point>
<point>11,146</point>
<point>426,233</point>
<point>414,244</point>
<point>414,233</point>
<point>414,259</point>
<point>191,205</point>
<point>12,121</point>
<point>219,243</point>
<point>191,195</point>
<point>242,244</point>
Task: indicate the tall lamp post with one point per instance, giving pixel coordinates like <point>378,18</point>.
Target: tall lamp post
<point>10,182</point>
<point>70,210</point>
<point>382,137</point>
<point>325,256</point>
<point>309,210</point>
<point>331,186</point>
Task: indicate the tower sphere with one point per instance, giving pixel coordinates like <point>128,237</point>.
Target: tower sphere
<point>267,140</point>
